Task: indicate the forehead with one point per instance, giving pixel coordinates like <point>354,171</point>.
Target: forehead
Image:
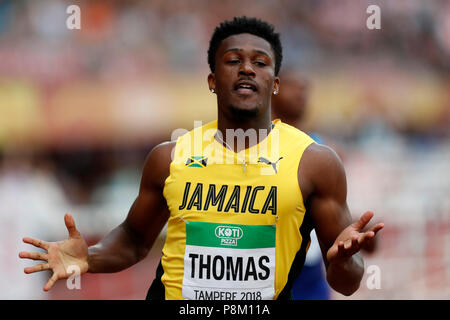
<point>246,42</point>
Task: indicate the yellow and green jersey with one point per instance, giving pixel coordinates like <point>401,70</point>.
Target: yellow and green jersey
<point>237,227</point>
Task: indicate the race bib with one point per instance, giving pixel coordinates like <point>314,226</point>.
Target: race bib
<point>229,261</point>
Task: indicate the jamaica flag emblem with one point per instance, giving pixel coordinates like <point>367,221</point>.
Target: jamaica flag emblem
<point>197,161</point>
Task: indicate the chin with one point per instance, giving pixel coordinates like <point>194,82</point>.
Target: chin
<point>244,112</point>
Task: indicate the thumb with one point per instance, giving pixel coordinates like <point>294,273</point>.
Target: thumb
<point>70,225</point>
<point>363,221</point>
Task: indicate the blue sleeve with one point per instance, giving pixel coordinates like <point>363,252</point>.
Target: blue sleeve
<point>316,137</point>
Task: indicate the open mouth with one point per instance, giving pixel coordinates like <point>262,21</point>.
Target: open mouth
<point>245,87</point>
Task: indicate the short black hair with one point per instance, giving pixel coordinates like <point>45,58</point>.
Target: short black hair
<point>243,24</point>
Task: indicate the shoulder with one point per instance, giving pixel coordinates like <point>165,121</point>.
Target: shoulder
<point>161,151</point>
<point>321,170</point>
<point>157,165</point>
<point>294,139</point>
<point>322,157</point>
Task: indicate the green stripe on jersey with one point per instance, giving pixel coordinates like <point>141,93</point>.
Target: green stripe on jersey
<point>224,235</point>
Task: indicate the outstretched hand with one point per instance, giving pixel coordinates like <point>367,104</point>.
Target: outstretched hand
<point>59,255</point>
<point>352,238</point>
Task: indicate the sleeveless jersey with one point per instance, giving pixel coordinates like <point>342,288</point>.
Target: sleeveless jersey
<point>237,227</point>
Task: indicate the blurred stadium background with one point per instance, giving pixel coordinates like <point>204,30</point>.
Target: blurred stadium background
<point>80,109</point>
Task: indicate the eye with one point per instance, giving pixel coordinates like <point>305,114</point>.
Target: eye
<point>260,63</point>
<point>233,61</point>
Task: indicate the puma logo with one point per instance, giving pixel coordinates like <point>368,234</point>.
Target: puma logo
<point>273,164</point>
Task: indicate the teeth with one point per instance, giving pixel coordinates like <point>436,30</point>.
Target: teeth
<point>246,86</point>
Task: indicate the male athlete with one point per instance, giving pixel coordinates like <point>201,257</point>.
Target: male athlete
<point>238,228</point>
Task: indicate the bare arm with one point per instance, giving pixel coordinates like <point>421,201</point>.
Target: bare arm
<point>131,241</point>
<point>122,247</point>
<point>324,188</point>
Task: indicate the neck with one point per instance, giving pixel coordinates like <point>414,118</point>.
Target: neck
<point>241,133</point>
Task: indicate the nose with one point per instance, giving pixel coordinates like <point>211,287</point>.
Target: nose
<point>246,69</point>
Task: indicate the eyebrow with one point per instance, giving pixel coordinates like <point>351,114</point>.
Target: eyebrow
<point>257,51</point>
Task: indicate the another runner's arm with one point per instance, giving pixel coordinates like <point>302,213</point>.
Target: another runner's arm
<point>131,241</point>
<point>324,187</point>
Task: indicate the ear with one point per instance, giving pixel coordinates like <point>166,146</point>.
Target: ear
<point>212,81</point>
<point>276,85</point>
